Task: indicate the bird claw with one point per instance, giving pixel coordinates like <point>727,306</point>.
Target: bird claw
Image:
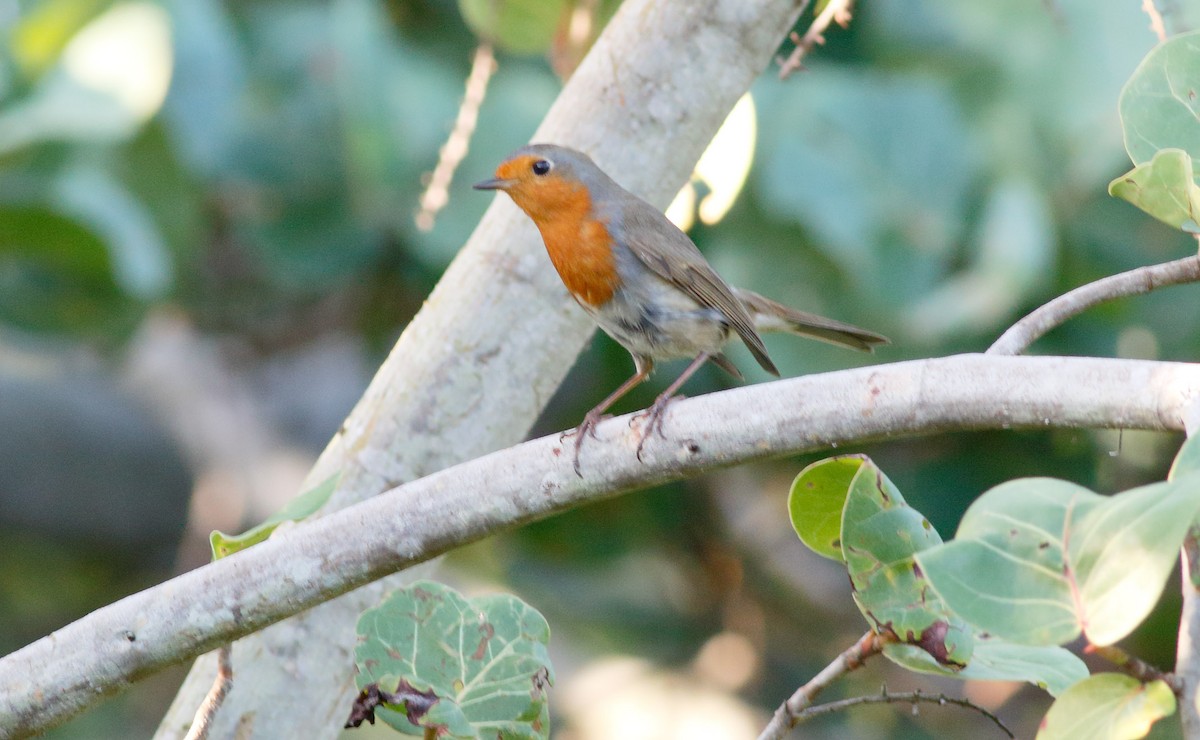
<point>586,428</point>
<point>654,421</point>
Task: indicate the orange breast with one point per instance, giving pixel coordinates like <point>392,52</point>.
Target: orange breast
<point>581,250</point>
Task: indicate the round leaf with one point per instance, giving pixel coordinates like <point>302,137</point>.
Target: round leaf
<point>517,26</point>
<point>1108,706</point>
<point>816,501</point>
<point>880,535</point>
<point>1038,560</point>
<point>484,660</point>
<point>1163,188</point>
<point>1160,104</point>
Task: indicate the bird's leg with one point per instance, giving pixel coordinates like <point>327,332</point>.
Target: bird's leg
<point>654,414</point>
<point>643,366</point>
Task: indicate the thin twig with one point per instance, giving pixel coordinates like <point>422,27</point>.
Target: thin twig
<point>788,713</point>
<point>437,195</point>
<point>834,11</point>
<point>216,695</point>
<point>907,697</point>
<point>1134,282</point>
<point>1156,20</point>
<point>1132,665</point>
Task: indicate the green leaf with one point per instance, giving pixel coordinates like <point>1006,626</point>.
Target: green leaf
<point>483,662</point>
<point>301,507</point>
<point>1187,460</point>
<point>880,535</point>
<point>1052,668</point>
<point>1164,188</point>
<point>816,501</point>
<point>516,26</point>
<point>55,274</point>
<point>1037,561</point>
<point>1160,104</point>
<point>1107,706</point>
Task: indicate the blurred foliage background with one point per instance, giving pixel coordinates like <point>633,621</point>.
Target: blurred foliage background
<point>208,242</point>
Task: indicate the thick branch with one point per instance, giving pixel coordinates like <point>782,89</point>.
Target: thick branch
<point>1134,282</point>
<point>60,675</point>
<point>474,369</point>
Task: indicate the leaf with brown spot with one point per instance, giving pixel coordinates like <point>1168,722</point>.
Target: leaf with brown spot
<point>483,662</point>
<point>880,535</point>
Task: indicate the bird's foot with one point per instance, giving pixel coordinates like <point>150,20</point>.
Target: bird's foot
<point>654,420</point>
<point>586,428</point>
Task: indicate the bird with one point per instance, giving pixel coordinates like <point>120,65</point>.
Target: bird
<point>643,280</point>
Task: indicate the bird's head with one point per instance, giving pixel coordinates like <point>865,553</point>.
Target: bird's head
<point>545,180</point>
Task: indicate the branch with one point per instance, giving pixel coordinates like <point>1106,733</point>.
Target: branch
<point>474,369</point>
<point>788,714</point>
<point>1187,648</point>
<point>1134,282</point>
<point>1156,20</point>
<point>216,696</point>
<point>1133,666</point>
<point>437,194</point>
<point>834,10</point>
<point>907,697</point>
<point>303,565</point>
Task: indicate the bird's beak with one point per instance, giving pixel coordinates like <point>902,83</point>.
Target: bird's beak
<point>496,183</point>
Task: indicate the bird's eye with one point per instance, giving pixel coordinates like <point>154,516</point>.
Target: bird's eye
<point>541,167</point>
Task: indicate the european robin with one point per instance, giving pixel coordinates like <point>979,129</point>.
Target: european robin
<point>642,279</point>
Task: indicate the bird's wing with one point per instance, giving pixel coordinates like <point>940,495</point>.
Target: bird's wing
<point>676,259</point>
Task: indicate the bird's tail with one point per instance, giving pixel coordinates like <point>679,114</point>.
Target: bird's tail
<point>770,316</point>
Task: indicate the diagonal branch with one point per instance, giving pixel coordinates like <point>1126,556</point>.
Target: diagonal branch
<point>1134,282</point>
<point>1156,20</point>
<point>789,713</point>
<point>221,687</point>
<point>303,565</point>
<point>835,11</point>
<point>437,193</point>
<point>473,370</point>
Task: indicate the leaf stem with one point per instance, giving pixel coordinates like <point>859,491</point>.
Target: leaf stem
<point>1132,665</point>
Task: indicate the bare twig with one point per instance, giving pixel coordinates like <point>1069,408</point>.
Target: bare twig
<point>304,565</point>
<point>835,11</point>
<point>1156,19</point>
<point>1132,665</point>
<point>437,194</point>
<point>788,713</point>
<point>216,695</point>
<point>1134,282</point>
<point>907,697</point>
